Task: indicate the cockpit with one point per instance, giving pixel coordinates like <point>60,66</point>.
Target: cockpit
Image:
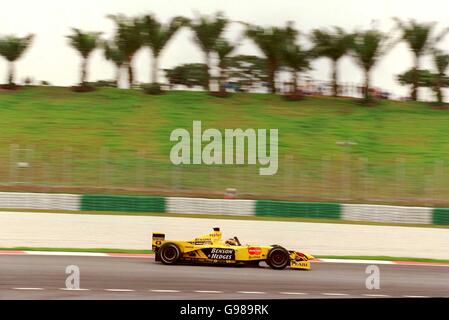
<point>233,242</point>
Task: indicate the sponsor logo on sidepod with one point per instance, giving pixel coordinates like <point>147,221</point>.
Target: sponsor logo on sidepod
<point>254,251</point>
<point>219,253</point>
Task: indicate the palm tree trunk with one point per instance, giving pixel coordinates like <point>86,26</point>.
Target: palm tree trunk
<point>440,96</point>
<point>207,80</point>
<point>222,80</point>
<point>83,71</point>
<point>334,78</point>
<point>295,82</point>
<point>271,76</point>
<point>439,91</point>
<point>415,79</point>
<point>11,73</point>
<point>155,68</point>
<point>117,75</point>
<point>130,75</point>
<point>367,84</point>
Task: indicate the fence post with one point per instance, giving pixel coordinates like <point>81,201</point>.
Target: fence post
<point>175,179</point>
<point>399,176</point>
<point>343,177</point>
<point>140,171</point>
<point>103,172</point>
<point>325,161</point>
<point>67,166</point>
<point>438,174</point>
<point>364,177</point>
<point>12,164</point>
<point>301,180</point>
<point>287,172</point>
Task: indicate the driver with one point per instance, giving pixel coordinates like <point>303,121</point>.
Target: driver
<point>231,242</point>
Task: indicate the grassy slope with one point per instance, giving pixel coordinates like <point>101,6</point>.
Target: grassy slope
<point>120,138</point>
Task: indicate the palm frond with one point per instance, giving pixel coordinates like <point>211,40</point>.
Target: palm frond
<point>12,47</point>
<point>84,41</point>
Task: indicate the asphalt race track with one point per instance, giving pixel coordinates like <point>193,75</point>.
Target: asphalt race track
<point>44,277</point>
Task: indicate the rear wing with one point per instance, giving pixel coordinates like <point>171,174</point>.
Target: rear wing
<point>158,239</point>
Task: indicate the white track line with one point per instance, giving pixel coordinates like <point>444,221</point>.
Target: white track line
<point>69,289</point>
<point>293,293</point>
<point>57,253</point>
<point>356,261</point>
<point>373,295</point>
<point>119,290</point>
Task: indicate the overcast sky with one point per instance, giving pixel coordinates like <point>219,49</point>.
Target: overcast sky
<point>51,59</point>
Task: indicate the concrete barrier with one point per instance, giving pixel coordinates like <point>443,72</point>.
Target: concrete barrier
<point>233,207</point>
<point>381,213</point>
<point>42,201</point>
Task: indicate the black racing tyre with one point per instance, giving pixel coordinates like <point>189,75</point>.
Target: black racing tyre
<point>278,258</point>
<point>169,253</point>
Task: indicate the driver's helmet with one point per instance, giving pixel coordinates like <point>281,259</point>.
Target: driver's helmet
<point>231,242</point>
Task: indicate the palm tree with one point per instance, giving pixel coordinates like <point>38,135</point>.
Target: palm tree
<point>333,45</point>
<point>157,35</point>
<point>271,41</point>
<point>367,48</point>
<point>114,54</point>
<point>223,49</point>
<point>441,61</point>
<point>85,43</point>
<point>129,39</point>
<point>12,48</point>
<point>419,38</point>
<point>297,60</point>
<point>207,30</point>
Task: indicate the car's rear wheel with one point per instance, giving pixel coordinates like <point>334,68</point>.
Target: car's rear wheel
<point>278,258</point>
<point>169,253</point>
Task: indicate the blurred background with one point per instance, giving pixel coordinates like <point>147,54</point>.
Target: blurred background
<point>91,94</point>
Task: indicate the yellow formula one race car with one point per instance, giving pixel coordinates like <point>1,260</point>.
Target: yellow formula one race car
<point>211,249</point>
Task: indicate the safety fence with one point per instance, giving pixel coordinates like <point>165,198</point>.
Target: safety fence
<point>342,172</point>
<point>236,207</point>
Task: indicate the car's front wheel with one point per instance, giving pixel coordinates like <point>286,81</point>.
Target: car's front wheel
<point>169,253</point>
<point>278,258</point>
